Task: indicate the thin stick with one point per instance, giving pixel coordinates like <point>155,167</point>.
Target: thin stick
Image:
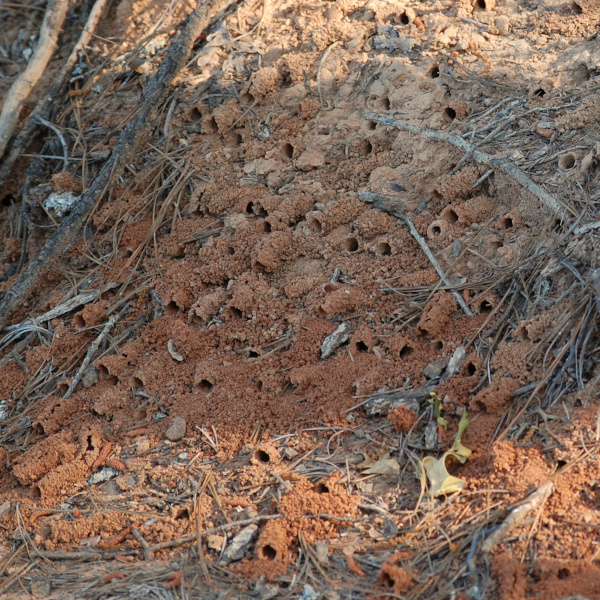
<point>49,100</point>
<point>434,262</point>
<point>125,149</point>
<point>93,349</point>
<point>60,136</point>
<point>480,157</point>
<point>321,63</point>
<point>21,88</point>
<point>517,515</point>
<point>145,546</point>
<point>190,538</point>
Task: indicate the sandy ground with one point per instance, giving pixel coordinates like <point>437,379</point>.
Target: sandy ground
<point>211,447</point>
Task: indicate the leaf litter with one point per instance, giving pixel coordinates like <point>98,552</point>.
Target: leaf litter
<point>238,238</point>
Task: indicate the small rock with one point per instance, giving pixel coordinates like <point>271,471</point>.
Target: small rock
<point>322,553</point>
<point>239,544</point>
<point>455,363</point>
<point>90,377</point>
<point>431,435</point>
<point>334,14</point>
<point>435,368</point>
<point>177,429</point>
<point>309,593</point>
<point>502,24</point>
<point>215,542</point>
<point>332,342</point>
<point>310,159</point>
<point>290,453</point>
<point>103,475</point>
<point>40,589</point>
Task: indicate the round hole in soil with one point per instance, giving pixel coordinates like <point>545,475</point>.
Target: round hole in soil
<point>78,322</point>
<point>372,125</point>
<point>231,250</point>
<point>62,388</point>
<point>314,225</point>
<point>450,113</point>
<point>439,345</point>
<point>250,208</point>
<point>210,125</point>
<point>404,19</point>
<point>576,8</point>
<point>253,354</point>
<point>362,347</point>
<point>195,115</point>
<point>485,306</point>
<point>267,227</point>
<point>7,200</point>
<point>436,195</point>
<point>364,148</point>
<point>566,161</point>
<point>321,488</point>
<point>259,385</point>
<point>436,230</point>
<point>262,456</point>
<point>471,369</point>
<point>269,552</point>
<point>386,580</point>
<point>434,72</point>
<point>451,216</point>
<point>539,93</point>
<point>563,573</point>
<point>171,308</point>
<point>406,351</point>
<point>384,249</point>
<point>288,150</point>
<point>205,384</point>
<point>351,244</point>
<point>481,4</point>
<point>234,313</point>
<point>507,223</point>
<point>480,406</point>
<point>247,98</point>
<point>36,492</point>
<point>137,383</point>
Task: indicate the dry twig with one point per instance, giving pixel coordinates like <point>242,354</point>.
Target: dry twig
<point>479,156</point>
<point>49,99</point>
<point>124,151</point>
<point>517,515</point>
<point>21,88</point>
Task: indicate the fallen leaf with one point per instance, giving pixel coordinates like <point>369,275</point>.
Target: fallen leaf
<point>440,481</point>
<point>384,465</point>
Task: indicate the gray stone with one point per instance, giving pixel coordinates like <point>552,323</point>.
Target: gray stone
<point>40,589</point>
<point>177,429</point>
<point>332,342</point>
<point>455,363</point>
<point>435,368</point>
<point>239,544</point>
<point>90,377</point>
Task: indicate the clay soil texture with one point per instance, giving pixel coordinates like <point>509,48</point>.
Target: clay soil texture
<point>331,331</point>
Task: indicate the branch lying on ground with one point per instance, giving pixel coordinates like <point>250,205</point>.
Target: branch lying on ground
<point>21,88</point>
<point>125,149</point>
<point>387,205</point>
<point>480,157</point>
<point>517,515</point>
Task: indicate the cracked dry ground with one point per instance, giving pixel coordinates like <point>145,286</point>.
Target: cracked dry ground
<point>209,448</point>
